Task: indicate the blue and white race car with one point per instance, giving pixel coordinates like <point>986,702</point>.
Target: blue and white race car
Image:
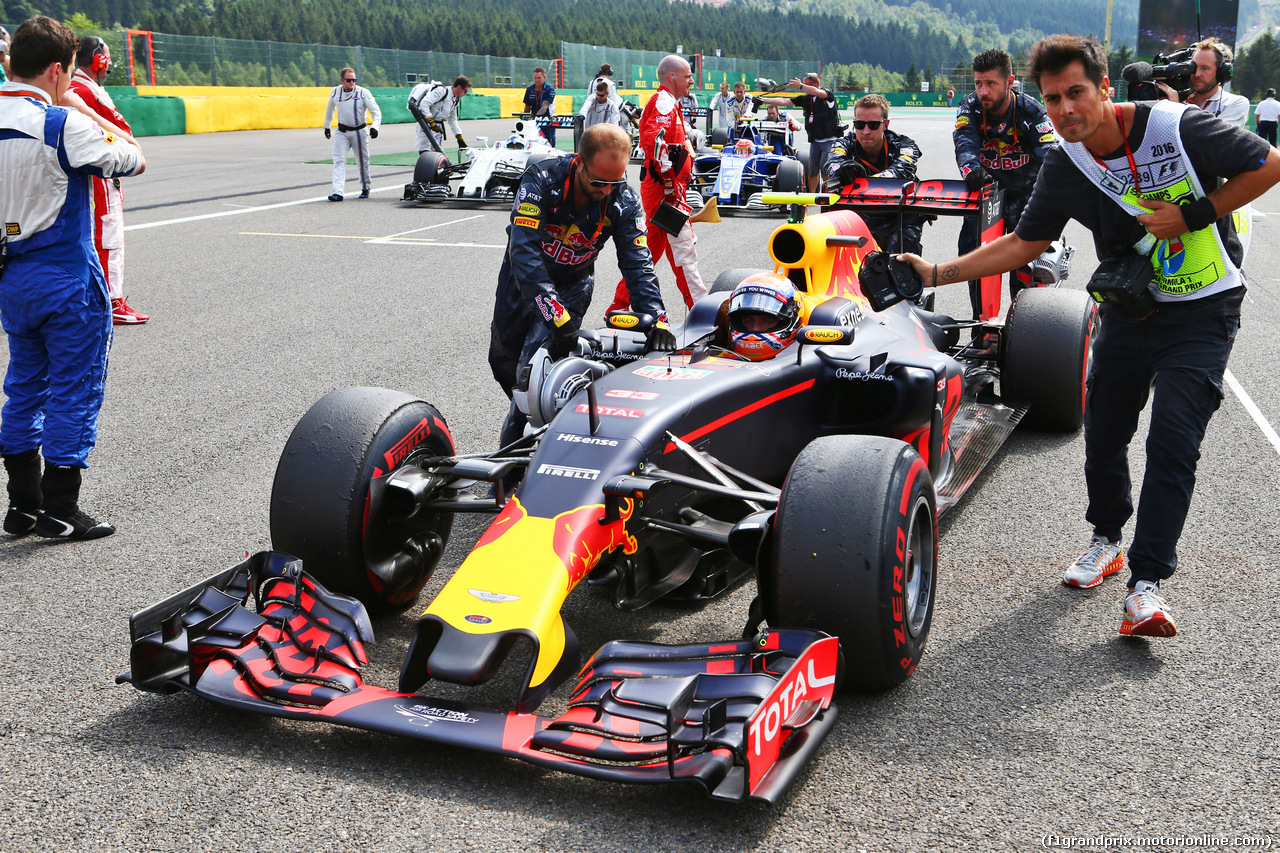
<point>743,162</point>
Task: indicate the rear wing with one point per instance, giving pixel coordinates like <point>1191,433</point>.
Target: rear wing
<point>692,116</point>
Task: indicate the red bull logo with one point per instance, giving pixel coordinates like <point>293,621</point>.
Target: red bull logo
<point>580,540</point>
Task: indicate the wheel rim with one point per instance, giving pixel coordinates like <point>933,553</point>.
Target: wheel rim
<point>401,552</point>
<point>918,564</point>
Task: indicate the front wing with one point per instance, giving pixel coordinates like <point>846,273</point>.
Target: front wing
<point>739,718</point>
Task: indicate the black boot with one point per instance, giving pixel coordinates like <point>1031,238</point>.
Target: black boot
<point>24,491</point>
<point>61,517</point>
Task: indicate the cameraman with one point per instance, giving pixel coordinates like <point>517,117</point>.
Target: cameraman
<point>1212,59</point>
<point>1177,355</point>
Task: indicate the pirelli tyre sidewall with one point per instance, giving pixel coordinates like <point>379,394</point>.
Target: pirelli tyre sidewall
<point>855,555</point>
<point>1045,352</point>
<point>327,509</point>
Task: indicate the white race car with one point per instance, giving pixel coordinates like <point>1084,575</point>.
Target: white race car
<point>488,172</point>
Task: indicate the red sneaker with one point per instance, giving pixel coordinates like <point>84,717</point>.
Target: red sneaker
<point>123,315</point>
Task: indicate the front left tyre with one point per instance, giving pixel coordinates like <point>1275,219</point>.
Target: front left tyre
<point>326,505</point>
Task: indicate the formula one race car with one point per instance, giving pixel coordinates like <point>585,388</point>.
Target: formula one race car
<point>746,162</point>
<point>819,474</point>
<point>489,173</point>
<point>692,117</point>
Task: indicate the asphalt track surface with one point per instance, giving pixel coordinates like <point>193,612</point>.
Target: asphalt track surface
<point>1029,717</point>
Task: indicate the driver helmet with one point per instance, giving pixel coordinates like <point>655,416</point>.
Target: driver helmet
<point>515,141</point>
<point>744,146</point>
<point>764,316</point>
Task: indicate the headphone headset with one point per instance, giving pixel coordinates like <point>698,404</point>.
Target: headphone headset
<point>100,61</point>
<point>1225,65</point>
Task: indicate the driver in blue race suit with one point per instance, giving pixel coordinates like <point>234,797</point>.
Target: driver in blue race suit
<point>53,294</point>
<point>1001,135</point>
<point>871,150</point>
<point>565,211</point>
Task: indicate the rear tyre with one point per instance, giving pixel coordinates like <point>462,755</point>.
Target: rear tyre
<point>1044,361</point>
<point>720,136</point>
<point>790,177</point>
<point>324,511</point>
<point>855,554</point>
<point>729,279</point>
<point>431,168</point>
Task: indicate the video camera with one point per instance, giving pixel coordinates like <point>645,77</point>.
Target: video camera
<point>1174,69</point>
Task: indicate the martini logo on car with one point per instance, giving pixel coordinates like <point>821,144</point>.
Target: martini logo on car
<point>611,411</point>
<point>655,371</point>
<point>569,472</point>
<point>587,439</point>
<point>624,394</point>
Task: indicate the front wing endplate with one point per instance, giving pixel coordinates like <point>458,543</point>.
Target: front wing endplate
<point>739,718</point>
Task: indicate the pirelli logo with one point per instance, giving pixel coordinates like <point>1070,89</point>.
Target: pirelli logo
<point>526,221</point>
<point>12,229</point>
<point>567,471</point>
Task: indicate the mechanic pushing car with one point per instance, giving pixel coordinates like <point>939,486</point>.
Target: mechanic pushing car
<point>437,104</point>
<point>540,100</point>
<point>871,150</point>
<point>664,178</point>
<point>565,211</point>
<point>1170,288</point>
<point>1001,135</point>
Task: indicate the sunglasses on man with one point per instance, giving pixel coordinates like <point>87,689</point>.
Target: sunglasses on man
<point>601,184</point>
<point>859,124</point>
<point>348,79</point>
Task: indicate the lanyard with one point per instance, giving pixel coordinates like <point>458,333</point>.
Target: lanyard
<point>868,162</point>
<point>1124,134</point>
<point>567,198</point>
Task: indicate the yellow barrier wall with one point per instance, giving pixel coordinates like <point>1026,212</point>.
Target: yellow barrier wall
<point>211,109</point>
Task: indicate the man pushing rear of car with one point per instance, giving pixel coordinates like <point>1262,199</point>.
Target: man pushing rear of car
<point>565,211</point>
<point>1147,179</point>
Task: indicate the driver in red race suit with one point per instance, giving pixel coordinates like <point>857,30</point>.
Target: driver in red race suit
<point>668,162</point>
<point>93,61</point>
<point>565,211</point>
<point>1001,135</point>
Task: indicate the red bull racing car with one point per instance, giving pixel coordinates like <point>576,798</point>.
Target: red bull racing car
<point>818,475</point>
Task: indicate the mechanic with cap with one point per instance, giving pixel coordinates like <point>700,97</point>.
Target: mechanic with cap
<point>353,105</point>
<point>1147,179</point>
<point>437,104</point>
<point>565,211</point>
<point>871,150</point>
<point>821,120</point>
<point>93,64</point>
<point>605,76</point>
<point>664,177</point>
<point>599,109</point>
<point>1001,135</point>
<point>53,296</point>
<point>540,100</point>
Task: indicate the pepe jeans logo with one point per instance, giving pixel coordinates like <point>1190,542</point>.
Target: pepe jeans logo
<point>861,376</point>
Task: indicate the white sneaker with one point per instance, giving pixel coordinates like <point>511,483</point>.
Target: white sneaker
<point>1145,613</point>
<point>1101,559</point>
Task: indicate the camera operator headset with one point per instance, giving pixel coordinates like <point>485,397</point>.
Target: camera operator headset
<point>1205,69</point>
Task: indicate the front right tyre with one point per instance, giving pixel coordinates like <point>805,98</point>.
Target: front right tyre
<point>855,554</point>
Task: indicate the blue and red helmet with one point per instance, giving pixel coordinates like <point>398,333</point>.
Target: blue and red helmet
<point>764,316</point>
